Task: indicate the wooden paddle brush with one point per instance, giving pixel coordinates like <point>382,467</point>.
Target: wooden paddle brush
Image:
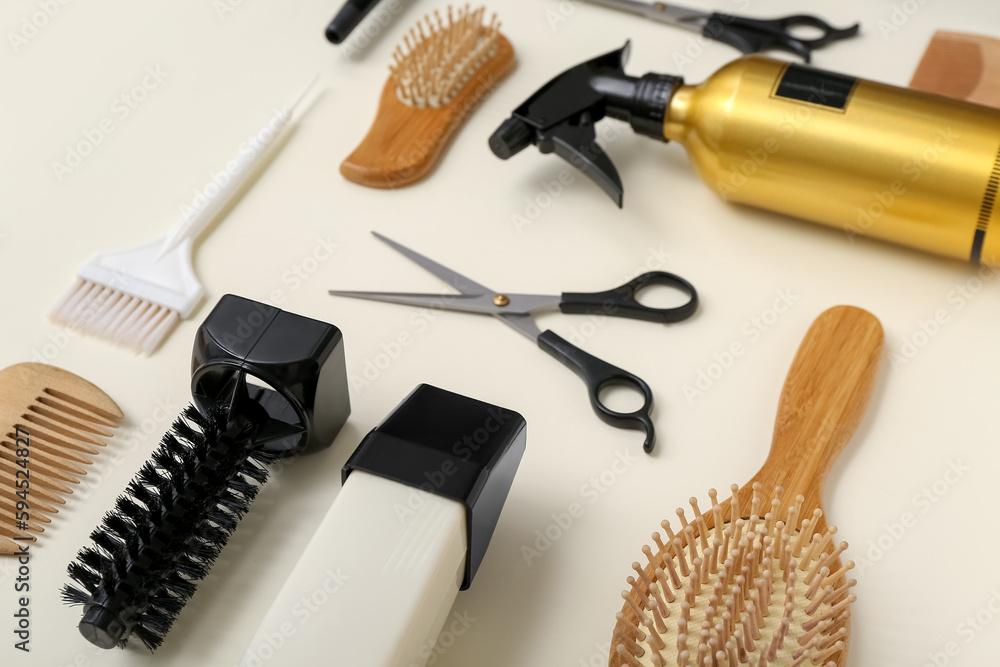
<point>757,579</point>
<point>54,424</point>
<point>443,70</point>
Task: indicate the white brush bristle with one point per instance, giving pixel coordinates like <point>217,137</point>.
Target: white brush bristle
<point>115,316</point>
<point>439,55</point>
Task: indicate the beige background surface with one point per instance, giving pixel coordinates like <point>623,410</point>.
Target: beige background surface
<point>227,64</point>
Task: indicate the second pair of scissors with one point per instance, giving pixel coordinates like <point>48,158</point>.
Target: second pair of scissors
<point>515,310</point>
<point>749,35</point>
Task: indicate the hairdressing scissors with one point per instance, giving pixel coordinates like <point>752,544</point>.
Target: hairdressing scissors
<point>515,311</point>
<point>746,34</point>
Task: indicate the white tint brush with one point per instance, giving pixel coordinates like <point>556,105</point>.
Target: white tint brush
<point>136,296</point>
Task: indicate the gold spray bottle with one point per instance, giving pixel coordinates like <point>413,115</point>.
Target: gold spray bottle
<point>909,167</point>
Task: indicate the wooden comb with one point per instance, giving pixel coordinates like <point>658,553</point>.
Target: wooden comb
<point>960,65</point>
<point>62,421</point>
<point>760,591</point>
<point>443,70</point>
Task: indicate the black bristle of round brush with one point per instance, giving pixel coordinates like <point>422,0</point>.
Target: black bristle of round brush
<point>166,530</point>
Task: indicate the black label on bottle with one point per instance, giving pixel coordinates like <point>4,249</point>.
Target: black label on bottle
<point>816,86</point>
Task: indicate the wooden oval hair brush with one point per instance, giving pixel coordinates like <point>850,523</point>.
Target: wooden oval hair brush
<point>757,579</point>
<point>440,74</point>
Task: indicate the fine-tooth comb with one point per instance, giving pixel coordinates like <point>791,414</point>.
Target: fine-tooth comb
<point>445,67</point>
<point>960,65</point>
<point>765,589</point>
<point>61,422</point>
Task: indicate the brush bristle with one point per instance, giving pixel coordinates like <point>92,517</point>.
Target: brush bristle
<point>439,55</point>
<point>723,591</point>
<point>116,316</point>
<point>170,525</point>
<point>64,434</point>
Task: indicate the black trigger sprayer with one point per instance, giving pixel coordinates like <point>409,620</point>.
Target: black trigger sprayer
<point>560,117</point>
<point>868,158</point>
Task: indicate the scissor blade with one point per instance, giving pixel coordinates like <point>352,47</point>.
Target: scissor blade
<point>524,324</point>
<point>684,17</point>
<point>453,278</point>
<point>518,304</point>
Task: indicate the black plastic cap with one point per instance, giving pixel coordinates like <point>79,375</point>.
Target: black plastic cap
<point>451,446</point>
<point>649,106</point>
<point>293,366</point>
<point>512,137</point>
<point>102,628</point>
<point>346,20</point>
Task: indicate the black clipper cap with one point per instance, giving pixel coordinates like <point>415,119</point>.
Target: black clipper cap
<point>452,446</point>
<point>247,353</point>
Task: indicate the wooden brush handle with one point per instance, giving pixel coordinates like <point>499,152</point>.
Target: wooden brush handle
<point>824,398</point>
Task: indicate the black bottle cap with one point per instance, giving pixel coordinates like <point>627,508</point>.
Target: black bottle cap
<point>292,366</point>
<point>451,446</point>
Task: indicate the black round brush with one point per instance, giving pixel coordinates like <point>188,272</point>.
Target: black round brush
<point>168,527</point>
<point>178,512</point>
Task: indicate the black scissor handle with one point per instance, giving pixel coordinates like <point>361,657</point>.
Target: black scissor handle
<point>599,374</point>
<point>753,35</point>
<point>621,301</point>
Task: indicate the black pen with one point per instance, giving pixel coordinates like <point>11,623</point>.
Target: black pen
<point>348,18</point>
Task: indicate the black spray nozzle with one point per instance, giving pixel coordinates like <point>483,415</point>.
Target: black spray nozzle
<point>271,361</point>
<point>560,117</point>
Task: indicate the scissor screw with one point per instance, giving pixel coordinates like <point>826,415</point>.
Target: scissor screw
<point>501,300</point>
